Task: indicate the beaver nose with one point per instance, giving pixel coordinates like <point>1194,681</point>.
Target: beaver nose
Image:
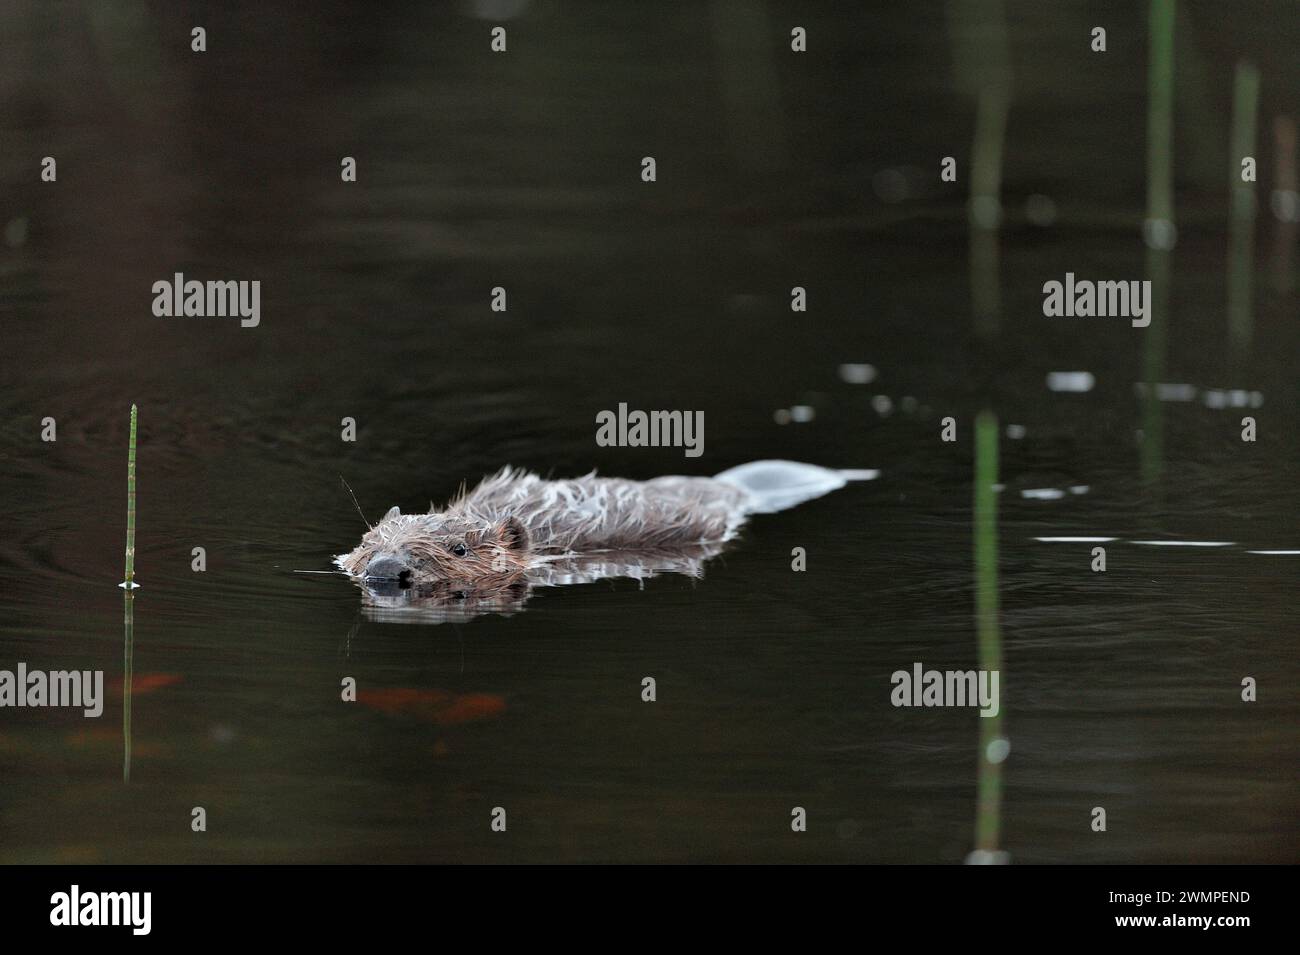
<point>388,567</point>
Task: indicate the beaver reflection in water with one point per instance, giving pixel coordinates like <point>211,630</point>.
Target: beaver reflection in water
<point>489,547</point>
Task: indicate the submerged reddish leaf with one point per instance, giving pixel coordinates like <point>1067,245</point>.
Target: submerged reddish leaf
<point>105,737</point>
<point>433,706</point>
<point>94,736</point>
<point>142,683</point>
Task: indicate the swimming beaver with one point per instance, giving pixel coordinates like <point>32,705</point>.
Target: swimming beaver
<point>517,529</point>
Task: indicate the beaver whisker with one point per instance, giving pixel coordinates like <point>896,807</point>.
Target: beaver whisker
<point>356,505</point>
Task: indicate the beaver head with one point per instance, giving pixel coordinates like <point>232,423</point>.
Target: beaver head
<point>407,550</point>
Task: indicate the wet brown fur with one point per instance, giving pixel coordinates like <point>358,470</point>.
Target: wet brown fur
<point>514,521</point>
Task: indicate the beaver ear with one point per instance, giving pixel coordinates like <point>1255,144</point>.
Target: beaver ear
<point>513,534</point>
<point>392,512</point>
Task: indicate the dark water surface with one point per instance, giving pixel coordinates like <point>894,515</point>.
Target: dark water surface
<point>1120,689</point>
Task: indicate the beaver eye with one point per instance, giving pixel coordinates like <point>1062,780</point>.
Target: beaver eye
<point>460,550</point>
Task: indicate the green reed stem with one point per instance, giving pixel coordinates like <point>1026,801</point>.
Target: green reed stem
<point>130,506</point>
<point>981,51</point>
<point>988,808</point>
<point>1286,182</point>
<point>985,209</point>
<point>1160,223</point>
<point>1241,225</point>
<point>1160,112</point>
<point>128,655</point>
<point>128,604</point>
